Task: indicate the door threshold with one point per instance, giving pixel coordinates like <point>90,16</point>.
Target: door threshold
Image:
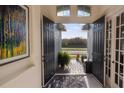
<point>48,81</point>
<point>71,74</point>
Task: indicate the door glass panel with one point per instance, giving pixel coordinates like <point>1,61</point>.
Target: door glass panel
<point>109,63</point>
<point>120,83</point>
<point>110,35</point>
<point>117,21</point>
<point>122,31</point>
<point>117,32</point>
<point>109,57</point>
<point>122,44</point>
<point>109,73</point>
<point>117,56</point>
<point>109,43</point>
<point>121,70</point>
<point>117,44</point>
<point>106,34</point>
<point>106,43</point>
<point>121,57</point>
<point>110,25</point>
<point>116,78</point>
<point>122,18</point>
<point>116,67</point>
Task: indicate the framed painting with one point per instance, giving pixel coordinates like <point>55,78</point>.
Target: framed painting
<point>14,33</point>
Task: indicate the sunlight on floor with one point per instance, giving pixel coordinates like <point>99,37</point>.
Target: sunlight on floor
<point>91,82</point>
<point>73,76</point>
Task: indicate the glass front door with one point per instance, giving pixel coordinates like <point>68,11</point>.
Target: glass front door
<point>114,51</point>
<point>119,51</point>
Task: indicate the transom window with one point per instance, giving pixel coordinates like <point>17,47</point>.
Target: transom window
<point>83,10</point>
<point>63,10</point>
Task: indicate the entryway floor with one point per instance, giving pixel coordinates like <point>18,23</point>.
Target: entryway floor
<point>73,76</point>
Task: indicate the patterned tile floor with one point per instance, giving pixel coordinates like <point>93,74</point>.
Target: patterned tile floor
<point>67,81</point>
<point>75,67</point>
<point>73,76</point>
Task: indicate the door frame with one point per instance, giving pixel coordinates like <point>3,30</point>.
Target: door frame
<point>42,52</point>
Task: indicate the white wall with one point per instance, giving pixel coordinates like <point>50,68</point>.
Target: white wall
<point>26,72</point>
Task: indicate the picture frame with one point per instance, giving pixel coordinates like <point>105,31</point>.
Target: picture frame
<point>14,33</point>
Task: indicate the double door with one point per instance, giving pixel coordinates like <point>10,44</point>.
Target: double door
<point>114,50</point>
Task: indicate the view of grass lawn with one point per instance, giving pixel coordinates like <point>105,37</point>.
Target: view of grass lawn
<point>74,43</point>
<point>74,51</point>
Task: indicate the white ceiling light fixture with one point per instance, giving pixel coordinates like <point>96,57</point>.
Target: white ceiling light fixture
<point>60,27</point>
<point>86,27</point>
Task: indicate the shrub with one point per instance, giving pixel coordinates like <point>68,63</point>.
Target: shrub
<point>63,59</point>
<point>66,58</point>
<point>60,58</point>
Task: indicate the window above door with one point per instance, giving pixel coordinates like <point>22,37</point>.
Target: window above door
<point>63,10</point>
<point>81,10</point>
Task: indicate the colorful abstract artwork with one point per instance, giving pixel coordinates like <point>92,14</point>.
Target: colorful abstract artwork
<point>13,33</point>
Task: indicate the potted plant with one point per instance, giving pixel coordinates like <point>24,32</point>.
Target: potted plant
<point>60,58</point>
<point>66,58</point>
<point>78,56</point>
<point>63,59</point>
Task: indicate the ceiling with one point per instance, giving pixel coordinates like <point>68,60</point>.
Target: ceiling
<point>96,12</point>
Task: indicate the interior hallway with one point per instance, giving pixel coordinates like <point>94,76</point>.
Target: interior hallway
<point>43,38</point>
<point>73,76</point>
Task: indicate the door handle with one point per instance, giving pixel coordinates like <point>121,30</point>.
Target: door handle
<point>113,62</point>
<point>43,56</point>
